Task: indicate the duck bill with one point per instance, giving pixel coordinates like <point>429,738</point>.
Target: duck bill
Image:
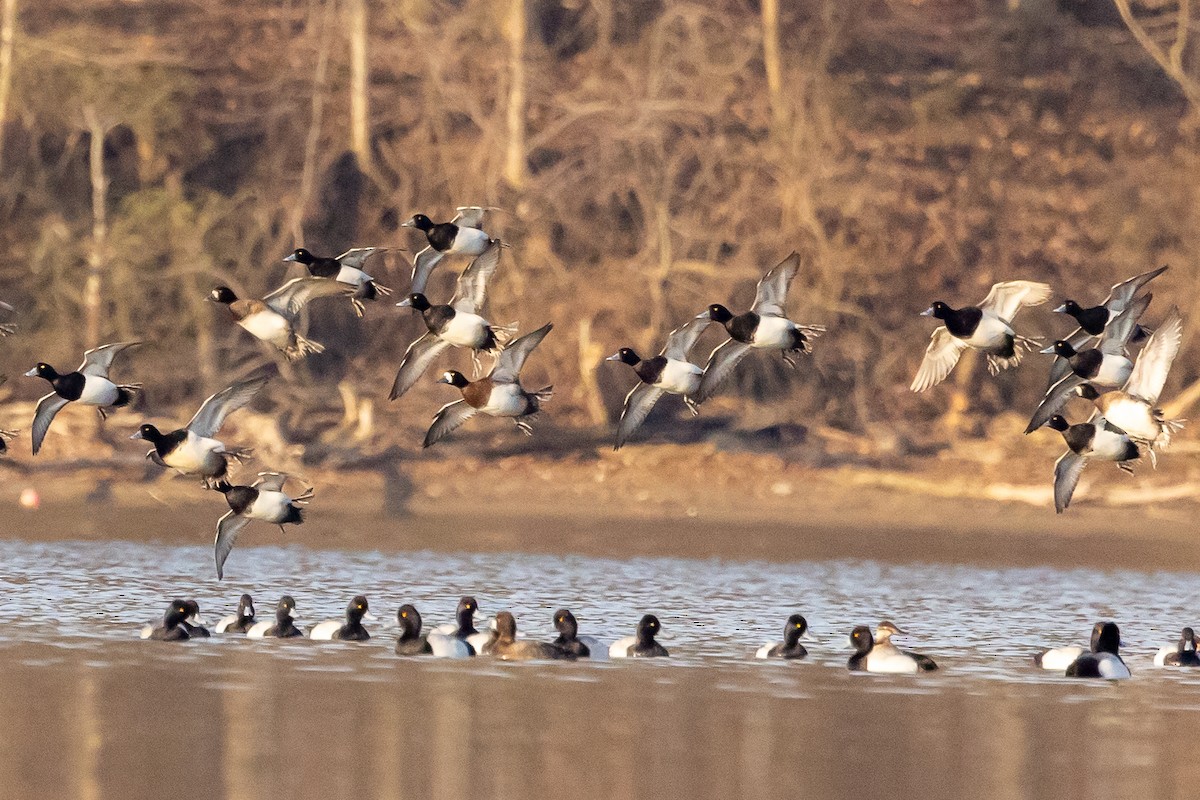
<point>617,356</point>
<point>704,315</point>
<point>1061,309</point>
<point>405,303</point>
<point>927,312</point>
<point>32,373</point>
<point>408,224</point>
<point>137,435</point>
<point>443,379</point>
<point>1048,351</point>
<point>292,257</point>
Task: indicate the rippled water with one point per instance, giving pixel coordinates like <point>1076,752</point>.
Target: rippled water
<point>229,717</point>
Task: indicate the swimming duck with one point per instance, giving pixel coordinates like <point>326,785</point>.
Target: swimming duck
<point>669,371</point>
<point>273,318</point>
<point>240,622</point>
<point>500,394</point>
<point>986,327</point>
<point>878,654</point>
<point>192,623</point>
<point>172,628</point>
<point>462,235</point>
<point>764,327</point>
<point>7,328</point>
<point>642,644</point>
<point>282,627</point>
<point>1182,654</point>
<point>265,501</point>
<point>1134,408</point>
<point>89,385</point>
<point>790,647</point>
<point>569,640</point>
<point>352,630</point>
<point>457,324</point>
<point>462,630</point>
<point>1092,321</point>
<point>1107,365</point>
<point>507,648</point>
<point>1104,661</point>
<point>1057,659</point>
<point>1096,439</point>
<point>346,269</point>
<point>192,450</point>
<point>411,642</point>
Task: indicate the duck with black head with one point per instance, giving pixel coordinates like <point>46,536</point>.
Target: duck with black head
<point>794,629</point>
<point>1182,654</point>
<point>273,319</point>
<point>1104,660</point>
<point>193,623</point>
<point>461,236</point>
<point>411,642</point>
<point>89,385</point>
<point>569,639</point>
<point>283,626</point>
<point>173,627</point>
<point>1096,439</point>
<point>878,654</point>
<point>346,269</point>
<point>241,621</point>
<point>643,643</point>
<point>265,501</point>
<point>352,630</point>
<point>507,647</point>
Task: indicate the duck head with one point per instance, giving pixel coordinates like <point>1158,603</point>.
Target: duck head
<point>717,313</point>
<point>648,627</point>
<point>565,624</point>
<point>415,300</point>
<point>454,378</point>
<point>177,612</point>
<point>465,614</point>
<point>1108,640</point>
<point>409,620</point>
<point>861,639</point>
<point>223,295</point>
<point>301,256</point>
<point>1087,391</point>
<point>1060,348</point>
<point>286,609</point>
<point>148,432</point>
<point>246,607</point>
<point>358,610</point>
<point>625,355</point>
<point>886,629</point>
<point>1059,423</point>
<point>1069,307</point>
<point>938,310</point>
<point>796,627</point>
<point>506,626</point>
<point>193,609</point>
<point>420,222</point>
<point>42,370</point>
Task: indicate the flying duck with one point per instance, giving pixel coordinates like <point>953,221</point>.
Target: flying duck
<point>273,318</point>
<point>1107,365</point>
<point>240,622</point>
<point>1097,439</point>
<point>89,385</point>
<point>569,640</point>
<point>764,327</point>
<point>790,647</point>
<point>346,269</point>
<point>1104,661</point>
<point>1182,654</point>
<point>461,236</point>
<point>410,641</point>
<point>878,654</point>
<point>1092,321</point>
<point>499,394</point>
<point>986,327</point>
<point>265,501</point>
<point>192,450</point>
<point>642,644</point>
<point>352,630</point>
<point>670,371</point>
<point>456,324</point>
<point>1057,659</point>
<point>507,648</point>
<point>282,627</point>
<point>172,628</point>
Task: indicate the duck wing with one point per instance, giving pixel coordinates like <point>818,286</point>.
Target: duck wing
<point>1116,334</point>
<point>228,528</point>
<point>472,284</point>
<point>941,355</point>
<point>681,340</point>
<point>417,358</point>
<point>469,217</point>
<point>638,404</point>
<point>98,360</point>
<point>1056,397</point>
<point>355,257</point>
<point>1007,298</point>
<point>215,409</point>
<point>448,418</point>
<point>512,357</point>
<point>1067,470</point>
<point>1124,292</point>
<point>772,290</point>
<point>720,365</point>
<point>423,264</point>
<point>288,299</point>
<point>1154,362</point>
<point>47,407</point>
<point>270,481</point>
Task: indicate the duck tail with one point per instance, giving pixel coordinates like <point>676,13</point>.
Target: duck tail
<point>239,454</point>
<point>223,486</point>
<point>544,394</point>
<point>503,334</point>
<point>303,347</point>
<point>1020,346</point>
<point>294,516</point>
<point>126,394</point>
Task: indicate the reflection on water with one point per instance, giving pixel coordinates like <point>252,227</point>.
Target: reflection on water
<point>91,712</point>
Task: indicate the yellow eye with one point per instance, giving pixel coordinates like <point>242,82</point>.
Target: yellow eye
<point>404,613</point>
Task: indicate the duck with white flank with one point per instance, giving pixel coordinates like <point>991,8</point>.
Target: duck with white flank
<point>457,324</point>
<point>1107,365</point>
<point>670,371</point>
<point>265,501</point>
<point>352,629</point>
<point>346,269</point>
<point>1057,659</point>
<point>1134,408</point>
<point>461,236</point>
<point>459,638</point>
<point>986,327</point>
<point>878,654</point>
<point>411,642</point>
<point>765,327</point>
<point>172,628</point>
<point>569,640</point>
<point>1093,321</point>
<point>790,647</point>
<point>499,394</point>
<point>89,385</point>
<point>240,622</point>
<point>1095,439</point>
<point>273,318</point>
<point>1182,654</point>
<point>642,644</point>
<point>192,450</point>
<point>1104,661</point>
<point>282,627</point>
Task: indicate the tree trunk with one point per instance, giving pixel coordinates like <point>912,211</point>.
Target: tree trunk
<point>514,160</point>
<point>770,26</point>
<point>360,140</point>
<point>8,23</point>
<point>97,255</point>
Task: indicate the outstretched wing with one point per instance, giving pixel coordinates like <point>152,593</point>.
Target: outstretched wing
<point>448,418</point>
<point>773,288</point>
<point>682,339</point>
<point>423,264</point>
<point>720,366</point>
<point>512,357</point>
<point>1154,362</point>
<point>940,357</point>
<point>47,407</point>
<point>355,257</point>
<point>417,358</point>
<point>1120,328</point>
<point>638,404</point>
<point>270,481</point>
<point>469,217</point>
<point>1067,470</point>
<point>98,361</point>
<point>228,528</point>
<point>472,284</point>
<point>1005,299</point>
<point>215,409</point>
<point>1056,397</point>
<point>1122,293</point>
<point>288,299</point>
